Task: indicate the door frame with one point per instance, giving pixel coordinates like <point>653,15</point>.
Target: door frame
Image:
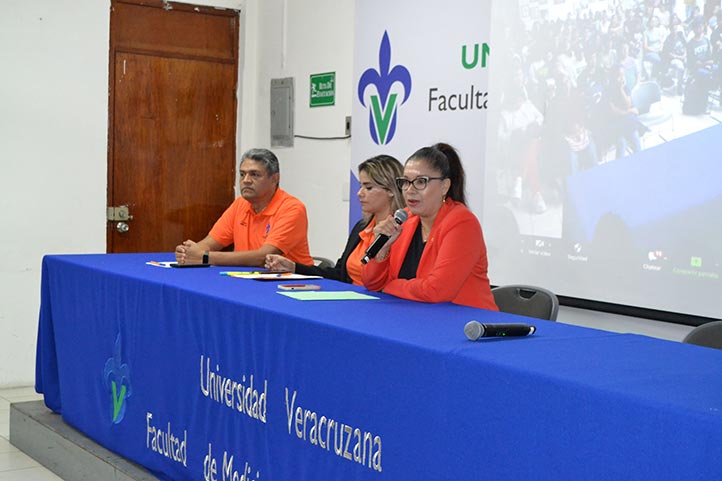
<point>129,47</point>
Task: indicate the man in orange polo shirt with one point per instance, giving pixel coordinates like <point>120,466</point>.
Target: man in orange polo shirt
<point>264,220</point>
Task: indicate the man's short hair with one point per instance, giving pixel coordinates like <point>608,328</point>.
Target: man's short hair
<point>265,156</point>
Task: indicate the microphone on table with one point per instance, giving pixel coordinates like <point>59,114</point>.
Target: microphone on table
<point>475,330</point>
<point>400,217</point>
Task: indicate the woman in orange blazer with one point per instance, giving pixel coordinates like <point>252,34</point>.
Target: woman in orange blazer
<point>438,254</point>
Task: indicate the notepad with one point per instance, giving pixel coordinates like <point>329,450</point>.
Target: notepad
<point>328,295</point>
<point>267,276</point>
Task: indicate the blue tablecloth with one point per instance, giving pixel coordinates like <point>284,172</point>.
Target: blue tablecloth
<point>201,376</point>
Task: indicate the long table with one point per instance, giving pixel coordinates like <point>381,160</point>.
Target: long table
<point>197,375</point>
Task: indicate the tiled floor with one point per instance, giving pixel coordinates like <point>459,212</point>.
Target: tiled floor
<point>15,465</point>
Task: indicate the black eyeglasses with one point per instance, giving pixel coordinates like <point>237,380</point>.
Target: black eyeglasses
<point>419,183</point>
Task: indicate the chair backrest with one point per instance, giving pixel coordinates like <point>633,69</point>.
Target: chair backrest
<point>707,335</point>
<point>527,301</point>
<point>323,262</point>
<point>644,94</point>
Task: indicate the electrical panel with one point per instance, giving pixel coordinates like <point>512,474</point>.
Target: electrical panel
<point>282,112</point>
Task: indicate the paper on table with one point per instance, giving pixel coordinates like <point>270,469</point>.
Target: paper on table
<point>284,276</point>
<point>165,264</point>
<point>328,295</point>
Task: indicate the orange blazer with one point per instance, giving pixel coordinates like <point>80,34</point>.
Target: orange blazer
<point>453,267</point>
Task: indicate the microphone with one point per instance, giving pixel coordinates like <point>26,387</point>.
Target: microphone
<point>400,217</point>
<point>474,330</point>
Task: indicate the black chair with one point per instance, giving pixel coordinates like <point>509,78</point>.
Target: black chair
<point>707,335</point>
<point>322,262</point>
<point>527,301</point>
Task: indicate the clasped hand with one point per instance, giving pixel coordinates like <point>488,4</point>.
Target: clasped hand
<point>188,252</point>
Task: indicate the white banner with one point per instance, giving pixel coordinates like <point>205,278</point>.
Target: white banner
<point>421,77</point>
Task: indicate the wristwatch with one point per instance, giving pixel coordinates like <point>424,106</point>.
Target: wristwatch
<point>205,257</point>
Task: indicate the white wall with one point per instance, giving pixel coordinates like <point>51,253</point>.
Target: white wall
<point>53,155</point>
<point>53,140</point>
<point>291,38</point>
<point>53,135</point>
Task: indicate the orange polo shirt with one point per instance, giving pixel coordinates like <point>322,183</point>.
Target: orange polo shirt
<point>353,263</point>
<point>282,224</point>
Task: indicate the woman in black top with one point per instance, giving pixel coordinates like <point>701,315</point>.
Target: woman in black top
<point>380,197</point>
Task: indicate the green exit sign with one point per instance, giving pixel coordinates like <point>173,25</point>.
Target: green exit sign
<point>323,89</point>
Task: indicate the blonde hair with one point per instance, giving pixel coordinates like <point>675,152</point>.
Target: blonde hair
<point>383,170</point>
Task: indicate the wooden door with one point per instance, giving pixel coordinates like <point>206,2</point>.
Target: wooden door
<point>172,122</point>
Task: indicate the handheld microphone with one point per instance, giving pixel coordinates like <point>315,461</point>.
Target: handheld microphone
<point>475,330</point>
<point>400,217</point>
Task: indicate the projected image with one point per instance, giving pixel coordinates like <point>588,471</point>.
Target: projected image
<point>593,82</point>
<point>608,132</point>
